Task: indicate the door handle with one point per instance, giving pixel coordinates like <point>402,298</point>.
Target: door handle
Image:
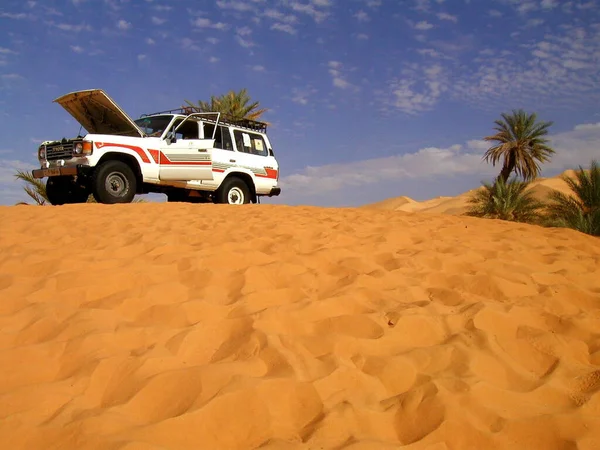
<point>232,160</point>
<point>202,150</point>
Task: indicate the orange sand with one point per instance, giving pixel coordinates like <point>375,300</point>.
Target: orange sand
<point>178,326</point>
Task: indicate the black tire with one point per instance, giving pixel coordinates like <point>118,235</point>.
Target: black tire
<point>114,182</point>
<point>231,189</point>
<point>64,190</point>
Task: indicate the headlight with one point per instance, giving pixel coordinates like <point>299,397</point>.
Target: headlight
<point>42,152</point>
<point>82,148</point>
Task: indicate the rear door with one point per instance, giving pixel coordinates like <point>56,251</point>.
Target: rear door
<point>189,157</point>
<point>254,154</point>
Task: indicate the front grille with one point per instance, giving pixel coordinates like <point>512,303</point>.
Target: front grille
<point>59,151</point>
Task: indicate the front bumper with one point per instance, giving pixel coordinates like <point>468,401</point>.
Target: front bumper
<point>55,171</point>
<point>274,191</point>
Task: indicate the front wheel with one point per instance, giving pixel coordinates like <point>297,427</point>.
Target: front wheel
<point>114,182</point>
<point>64,189</point>
<point>234,192</point>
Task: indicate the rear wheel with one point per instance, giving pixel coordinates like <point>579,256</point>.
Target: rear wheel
<point>233,191</point>
<point>114,182</point>
<point>64,189</point>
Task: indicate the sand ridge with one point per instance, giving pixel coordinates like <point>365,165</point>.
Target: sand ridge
<point>540,189</point>
<point>174,326</point>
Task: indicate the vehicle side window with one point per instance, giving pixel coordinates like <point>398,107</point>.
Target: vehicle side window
<point>225,141</point>
<point>189,130</point>
<point>250,143</point>
<point>222,136</point>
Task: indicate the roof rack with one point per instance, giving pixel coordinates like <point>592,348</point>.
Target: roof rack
<point>227,120</point>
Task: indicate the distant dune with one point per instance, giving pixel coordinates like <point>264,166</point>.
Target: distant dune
<point>458,205</point>
<point>178,326</point>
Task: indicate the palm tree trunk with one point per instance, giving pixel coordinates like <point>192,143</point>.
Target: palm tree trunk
<point>507,168</point>
<point>505,173</point>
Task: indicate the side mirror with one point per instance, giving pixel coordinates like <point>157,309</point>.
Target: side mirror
<point>170,138</point>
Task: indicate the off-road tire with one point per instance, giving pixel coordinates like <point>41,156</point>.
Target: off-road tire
<point>233,188</point>
<point>64,190</point>
<point>114,182</point>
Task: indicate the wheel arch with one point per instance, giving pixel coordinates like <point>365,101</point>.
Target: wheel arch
<point>246,178</point>
<point>131,161</point>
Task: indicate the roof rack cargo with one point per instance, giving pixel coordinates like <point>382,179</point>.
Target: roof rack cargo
<point>228,120</point>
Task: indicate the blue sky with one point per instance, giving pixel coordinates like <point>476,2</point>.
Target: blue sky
<point>369,99</point>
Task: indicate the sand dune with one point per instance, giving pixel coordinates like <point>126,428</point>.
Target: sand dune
<point>174,326</point>
<point>458,205</point>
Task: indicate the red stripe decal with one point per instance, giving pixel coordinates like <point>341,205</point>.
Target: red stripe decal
<point>154,154</point>
<point>142,154</point>
<point>271,173</point>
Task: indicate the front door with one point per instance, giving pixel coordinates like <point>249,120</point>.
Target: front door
<point>188,157</point>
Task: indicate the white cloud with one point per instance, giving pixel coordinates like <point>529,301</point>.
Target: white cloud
<point>338,80</point>
<point>189,44</point>
<point>123,25</point>
<point>203,22</point>
<point>573,148</point>
<point>246,43</point>
<point>423,25</point>
<point>446,16</point>
<point>258,68</point>
<point>244,31</point>
<point>549,4</point>
<point>70,27</point>
<point>150,41</point>
<point>213,59</point>
<point>362,16</point>
<point>285,27</point>
<point>77,48</point>
<point>314,9</point>
<point>157,20</point>
<point>417,88</point>
<point>16,16</point>
<point>303,96</point>
<point>279,16</point>
<point>141,57</point>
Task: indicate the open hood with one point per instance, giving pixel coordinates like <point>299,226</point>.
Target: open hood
<point>98,113</point>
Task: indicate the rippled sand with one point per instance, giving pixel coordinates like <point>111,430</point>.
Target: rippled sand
<point>175,326</point>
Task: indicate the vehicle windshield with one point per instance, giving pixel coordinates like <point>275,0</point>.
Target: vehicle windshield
<point>154,126</point>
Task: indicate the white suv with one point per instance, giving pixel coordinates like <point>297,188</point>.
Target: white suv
<point>189,156</point>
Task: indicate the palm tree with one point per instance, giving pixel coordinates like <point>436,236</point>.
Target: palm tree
<point>505,201</point>
<point>581,210</point>
<point>236,106</point>
<point>35,188</point>
<point>521,145</point>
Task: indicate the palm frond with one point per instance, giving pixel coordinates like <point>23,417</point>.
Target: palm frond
<point>581,209</point>
<point>505,201</point>
<point>234,105</point>
<point>35,188</point>
<point>520,143</point>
